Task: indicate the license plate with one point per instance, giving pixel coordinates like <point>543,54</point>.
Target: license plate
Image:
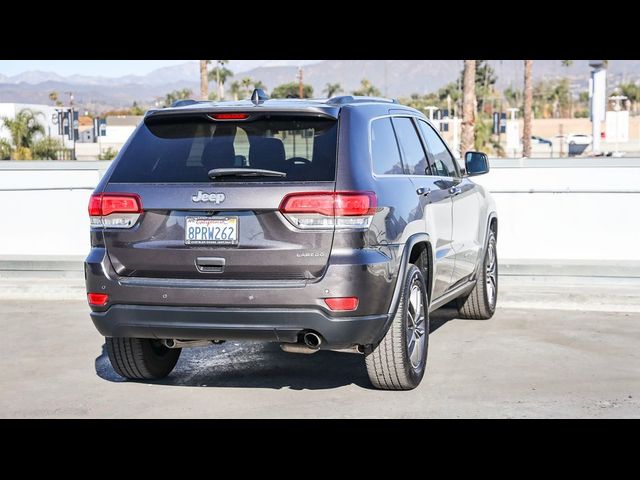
<point>211,231</point>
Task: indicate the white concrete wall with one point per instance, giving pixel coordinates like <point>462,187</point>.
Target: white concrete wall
<point>580,213</point>
<point>594,218</point>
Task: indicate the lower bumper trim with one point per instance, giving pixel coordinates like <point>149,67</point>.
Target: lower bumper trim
<point>268,324</point>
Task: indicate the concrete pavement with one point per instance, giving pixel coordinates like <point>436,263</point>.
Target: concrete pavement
<point>525,363</point>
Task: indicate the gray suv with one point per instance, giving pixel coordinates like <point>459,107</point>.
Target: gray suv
<point>332,224</point>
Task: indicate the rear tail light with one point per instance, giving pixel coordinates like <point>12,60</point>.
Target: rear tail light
<point>114,210</point>
<point>97,299</point>
<point>344,304</point>
<point>325,210</point>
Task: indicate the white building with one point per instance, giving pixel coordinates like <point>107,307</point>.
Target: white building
<point>47,118</point>
<point>119,129</point>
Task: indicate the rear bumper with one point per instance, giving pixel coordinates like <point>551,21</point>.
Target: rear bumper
<point>190,309</point>
<point>273,325</point>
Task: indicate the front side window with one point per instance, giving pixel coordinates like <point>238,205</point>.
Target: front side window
<point>384,148</point>
<point>441,161</point>
<point>413,155</point>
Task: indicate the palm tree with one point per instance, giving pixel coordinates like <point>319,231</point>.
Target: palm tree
<point>23,128</point>
<point>220,75</point>
<point>332,88</point>
<point>528,102</point>
<point>236,89</point>
<point>468,106</point>
<point>204,80</point>
<point>171,97</point>
<point>53,96</point>
<point>367,89</point>
<point>246,85</point>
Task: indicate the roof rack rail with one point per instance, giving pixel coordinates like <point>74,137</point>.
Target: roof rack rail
<point>346,99</point>
<point>184,102</point>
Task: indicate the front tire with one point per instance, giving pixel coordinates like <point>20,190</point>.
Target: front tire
<point>481,302</point>
<point>141,358</point>
<point>398,362</point>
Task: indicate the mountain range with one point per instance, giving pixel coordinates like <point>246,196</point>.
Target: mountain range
<point>394,78</point>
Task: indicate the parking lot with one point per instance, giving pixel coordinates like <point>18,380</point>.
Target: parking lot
<point>579,359</point>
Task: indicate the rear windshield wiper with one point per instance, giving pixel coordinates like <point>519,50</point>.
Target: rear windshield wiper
<point>244,172</point>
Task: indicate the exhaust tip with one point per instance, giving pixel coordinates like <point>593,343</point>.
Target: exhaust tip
<point>169,343</point>
<point>312,340</point>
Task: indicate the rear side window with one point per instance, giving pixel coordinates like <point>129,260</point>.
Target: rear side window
<point>184,149</point>
<point>413,156</point>
<point>384,148</point>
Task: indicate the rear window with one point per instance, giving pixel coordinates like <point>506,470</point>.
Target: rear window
<point>185,149</point>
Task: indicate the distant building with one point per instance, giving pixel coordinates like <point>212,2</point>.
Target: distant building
<point>119,129</point>
<point>85,130</point>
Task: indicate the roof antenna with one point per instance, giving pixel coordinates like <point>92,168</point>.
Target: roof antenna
<point>258,96</point>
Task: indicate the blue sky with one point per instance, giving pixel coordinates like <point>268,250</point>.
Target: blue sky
<point>118,68</point>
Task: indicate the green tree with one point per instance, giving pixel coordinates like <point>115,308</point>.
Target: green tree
<point>513,96</point>
<point>23,128</point>
<point>552,98</point>
<point>292,90</point>
<point>447,97</point>
<point>367,89</point>
<point>566,63</point>
<point>235,89</point>
<point>171,97</point>
<point>484,140</point>
<point>5,150</point>
<point>220,74</point>
<point>108,154</point>
<point>243,88</point>
<point>47,148</point>
<point>136,109</point>
<point>331,89</point>
<point>632,92</point>
<point>53,96</point>
<point>485,81</point>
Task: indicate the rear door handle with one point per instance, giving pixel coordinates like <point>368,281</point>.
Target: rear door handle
<point>455,190</point>
<point>210,264</point>
<point>424,191</point>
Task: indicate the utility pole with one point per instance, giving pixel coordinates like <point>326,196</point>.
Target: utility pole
<point>300,84</point>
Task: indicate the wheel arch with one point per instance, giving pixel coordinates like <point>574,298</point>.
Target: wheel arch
<point>414,245</point>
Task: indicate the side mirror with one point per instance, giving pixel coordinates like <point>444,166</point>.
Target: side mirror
<point>476,163</point>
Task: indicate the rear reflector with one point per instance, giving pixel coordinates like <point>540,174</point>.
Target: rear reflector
<point>98,299</point>
<point>342,303</point>
<point>311,210</point>
<point>229,116</point>
<point>114,210</point>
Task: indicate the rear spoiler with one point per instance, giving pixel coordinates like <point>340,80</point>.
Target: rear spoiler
<point>255,113</point>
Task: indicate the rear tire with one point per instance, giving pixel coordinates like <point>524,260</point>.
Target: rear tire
<point>398,362</point>
<point>480,304</point>
<point>141,358</point>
